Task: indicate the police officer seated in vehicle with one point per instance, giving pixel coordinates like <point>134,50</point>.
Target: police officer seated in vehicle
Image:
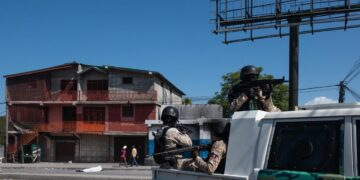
<point>256,99</point>
<point>169,137</point>
<point>215,163</point>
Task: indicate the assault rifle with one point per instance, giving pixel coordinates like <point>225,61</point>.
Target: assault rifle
<point>182,150</point>
<point>249,87</point>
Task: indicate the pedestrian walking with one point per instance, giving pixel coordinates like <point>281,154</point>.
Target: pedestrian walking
<point>134,155</point>
<point>123,156</point>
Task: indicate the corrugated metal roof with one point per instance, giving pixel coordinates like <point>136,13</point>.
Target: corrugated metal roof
<point>100,68</point>
<point>52,68</point>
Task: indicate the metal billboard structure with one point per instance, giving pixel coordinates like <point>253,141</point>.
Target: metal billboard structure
<point>249,20</point>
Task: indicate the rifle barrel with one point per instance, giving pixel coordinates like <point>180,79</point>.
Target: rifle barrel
<point>182,150</point>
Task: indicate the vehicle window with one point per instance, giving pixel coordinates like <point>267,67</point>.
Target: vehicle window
<point>307,146</point>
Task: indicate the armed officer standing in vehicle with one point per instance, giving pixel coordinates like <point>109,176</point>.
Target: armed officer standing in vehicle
<point>169,137</point>
<point>252,98</point>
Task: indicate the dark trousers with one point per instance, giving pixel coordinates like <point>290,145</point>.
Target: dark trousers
<point>123,160</point>
<point>133,161</point>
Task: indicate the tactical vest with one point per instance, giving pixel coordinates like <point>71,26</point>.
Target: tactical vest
<point>160,141</point>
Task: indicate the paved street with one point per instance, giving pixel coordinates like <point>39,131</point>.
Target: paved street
<point>68,171</point>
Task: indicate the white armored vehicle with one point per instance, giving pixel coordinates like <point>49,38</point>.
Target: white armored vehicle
<point>317,143</point>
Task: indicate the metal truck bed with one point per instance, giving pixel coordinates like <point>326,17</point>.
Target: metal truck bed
<point>173,174</point>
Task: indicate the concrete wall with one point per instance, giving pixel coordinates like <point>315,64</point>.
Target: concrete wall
<point>195,111</point>
<point>55,118</point>
<point>165,94</point>
<point>141,82</point>
<point>57,76</point>
<point>116,122</point>
<point>91,75</point>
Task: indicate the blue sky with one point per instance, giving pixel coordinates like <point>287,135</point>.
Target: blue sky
<point>172,37</point>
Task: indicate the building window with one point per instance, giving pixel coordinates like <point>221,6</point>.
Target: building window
<point>94,113</point>
<point>69,113</point>
<point>128,111</point>
<point>127,80</point>
<point>97,85</point>
<point>68,85</point>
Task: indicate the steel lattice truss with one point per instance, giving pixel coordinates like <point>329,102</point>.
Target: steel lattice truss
<point>259,19</point>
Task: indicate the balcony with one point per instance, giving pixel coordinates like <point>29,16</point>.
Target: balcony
<point>73,127</point>
<point>93,95</point>
<point>125,127</point>
<point>116,95</point>
<point>69,126</point>
<point>97,95</point>
<point>62,96</point>
<point>90,127</point>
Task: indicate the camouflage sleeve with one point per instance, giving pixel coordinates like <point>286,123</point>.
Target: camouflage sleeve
<point>182,139</point>
<point>218,150</point>
<point>238,102</point>
<point>202,165</point>
<point>269,105</point>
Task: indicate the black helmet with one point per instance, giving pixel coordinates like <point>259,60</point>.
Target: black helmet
<point>249,73</point>
<point>221,128</point>
<point>170,114</point>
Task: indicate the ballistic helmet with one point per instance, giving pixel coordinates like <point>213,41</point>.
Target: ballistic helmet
<point>170,114</point>
<point>249,73</point>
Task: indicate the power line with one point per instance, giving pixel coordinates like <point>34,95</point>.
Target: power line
<point>318,90</point>
<point>353,93</point>
<point>317,87</point>
<point>353,69</point>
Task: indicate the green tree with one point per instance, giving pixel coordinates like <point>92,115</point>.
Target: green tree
<point>186,101</point>
<point>280,92</point>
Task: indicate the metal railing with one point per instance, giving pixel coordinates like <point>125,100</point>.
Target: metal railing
<point>89,95</point>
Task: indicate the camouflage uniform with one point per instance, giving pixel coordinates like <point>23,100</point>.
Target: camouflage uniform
<point>242,102</point>
<point>217,153</point>
<point>175,139</point>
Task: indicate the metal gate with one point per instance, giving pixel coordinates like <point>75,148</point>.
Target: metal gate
<point>64,151</point>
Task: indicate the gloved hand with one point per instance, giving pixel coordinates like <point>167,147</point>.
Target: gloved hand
<point>266,90</point>
<point>259,95</point>
<point>195,153</point>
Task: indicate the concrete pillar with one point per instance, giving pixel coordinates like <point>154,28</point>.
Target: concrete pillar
<point>204,137</point>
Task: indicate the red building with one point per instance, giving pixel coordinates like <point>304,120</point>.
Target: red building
<point>84,113</point>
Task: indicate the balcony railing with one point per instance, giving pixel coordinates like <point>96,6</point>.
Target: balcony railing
<point>64,96</point>
<point>89,95</point>
<point>69,126</point>
<point>116,95</point>
<point>125,127</point>
<point>97,95</point>
<point>90,127</point>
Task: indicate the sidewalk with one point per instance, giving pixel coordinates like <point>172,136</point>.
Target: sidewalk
<point>50,165</point>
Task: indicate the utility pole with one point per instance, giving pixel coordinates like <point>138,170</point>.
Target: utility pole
<point>341,92</point>
<point>293,63</point>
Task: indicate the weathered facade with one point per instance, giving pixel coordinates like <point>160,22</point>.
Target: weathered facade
<point>84,113</point>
